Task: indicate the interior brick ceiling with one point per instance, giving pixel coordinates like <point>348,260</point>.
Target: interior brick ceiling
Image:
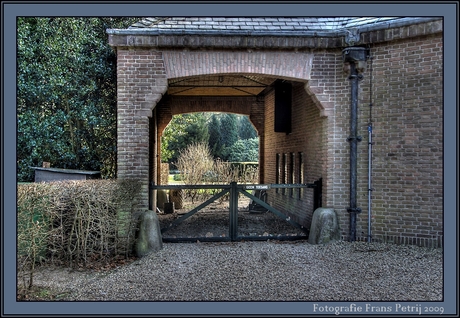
<point>219,85</point>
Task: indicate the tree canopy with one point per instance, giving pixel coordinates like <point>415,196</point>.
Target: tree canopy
<point>66,94</point>
<point>230,137</point>
<point>183,130</point>
<point>67,102</point>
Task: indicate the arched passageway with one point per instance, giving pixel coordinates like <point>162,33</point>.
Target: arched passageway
<point>163,71</point>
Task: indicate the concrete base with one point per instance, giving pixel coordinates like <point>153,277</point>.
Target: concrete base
<point>149,238</point>
<point>324,226</point>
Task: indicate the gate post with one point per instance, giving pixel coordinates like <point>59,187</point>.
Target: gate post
<point>317,194</point>
<point>233,211</point>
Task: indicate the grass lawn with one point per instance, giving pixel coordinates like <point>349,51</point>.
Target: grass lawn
<point>172,181</point>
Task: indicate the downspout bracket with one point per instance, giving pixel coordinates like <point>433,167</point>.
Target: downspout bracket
<point>358,138</point>
<point>354,210</point>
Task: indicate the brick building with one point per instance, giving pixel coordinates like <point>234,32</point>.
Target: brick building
<point>313,88</point>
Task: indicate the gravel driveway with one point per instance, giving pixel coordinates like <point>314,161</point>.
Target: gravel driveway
<point>263,271</point>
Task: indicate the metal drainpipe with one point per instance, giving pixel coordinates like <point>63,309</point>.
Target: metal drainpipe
<point>369,176</point>
<point>353,57</point>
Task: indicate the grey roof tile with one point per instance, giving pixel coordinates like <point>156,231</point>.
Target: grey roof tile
<point>265,25</point>
<point>308,23</point>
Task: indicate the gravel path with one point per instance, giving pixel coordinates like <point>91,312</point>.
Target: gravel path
<point>264,271</point>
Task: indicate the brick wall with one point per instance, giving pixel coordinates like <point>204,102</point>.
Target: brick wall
<point>275,63</point>
<point>407,199</point>
<point>318,133</point>
<point>407,135</point>
<point>324,88</point>
<point>307,139</point>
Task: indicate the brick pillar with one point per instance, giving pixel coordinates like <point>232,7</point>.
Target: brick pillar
<point>141,84</point>
<point>153,170</point>
<point>323,87</point>
<point>257,118</point>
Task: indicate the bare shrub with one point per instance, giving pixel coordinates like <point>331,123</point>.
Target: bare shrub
<point>248,173</point>
<point>194,163</point>
<point>75,223</point>
<point>197,166</point>
<point>32,232</point>
<point>224,172</point>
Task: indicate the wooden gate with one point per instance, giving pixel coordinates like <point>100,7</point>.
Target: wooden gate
<point>234,192</point>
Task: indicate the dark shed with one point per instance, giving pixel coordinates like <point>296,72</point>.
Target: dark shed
<point>58,174</point>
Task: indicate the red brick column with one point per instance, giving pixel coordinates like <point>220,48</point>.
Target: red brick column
<point>141,84</point>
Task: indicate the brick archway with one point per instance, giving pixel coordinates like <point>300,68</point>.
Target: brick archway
<point>145,108</point>
<point>295,66</point>
<point>153,56</point>
<point>174,105</point>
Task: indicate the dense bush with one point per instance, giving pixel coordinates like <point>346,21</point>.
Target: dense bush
<point>66,94</point>
<point>74,223</point>
<point>177,177</point>
<point>244,150</point>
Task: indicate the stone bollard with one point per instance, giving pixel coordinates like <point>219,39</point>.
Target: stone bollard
<point>149,237</point>
<point>162,198</point>
<point>324,226</point>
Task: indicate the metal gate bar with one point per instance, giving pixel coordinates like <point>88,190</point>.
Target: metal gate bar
<point>195,210</point>
<point>234,190</point>
<point>271,209</point>
<point>233,229</point>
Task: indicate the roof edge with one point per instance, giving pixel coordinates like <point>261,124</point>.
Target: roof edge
<point>333,33</point>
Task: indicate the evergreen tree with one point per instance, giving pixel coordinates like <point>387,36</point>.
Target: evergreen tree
<point>182,131</point>
<point>223,132</point>
<point>214,129</point>
<point>66,94</point>
<point>229,134</point>
<point>246,150</point>
<point>245,128</point>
